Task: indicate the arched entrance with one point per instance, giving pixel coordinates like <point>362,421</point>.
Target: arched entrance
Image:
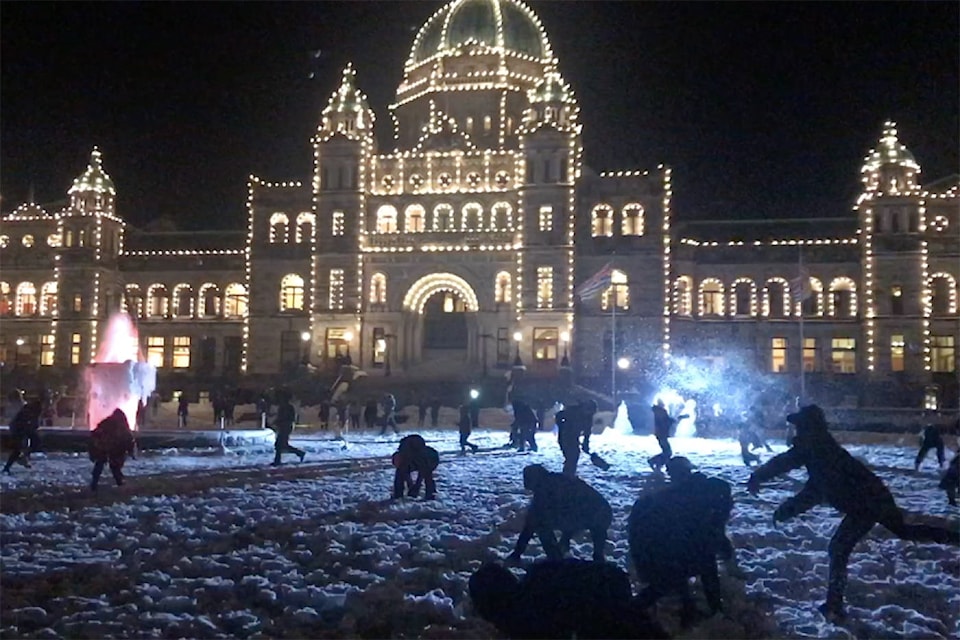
<point>440,320</point>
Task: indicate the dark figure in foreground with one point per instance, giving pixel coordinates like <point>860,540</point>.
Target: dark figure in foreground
<point>324,415</point>
<point>950,482</point>
<point>434,412</point>
<point>662,428</point>
<point>524,428</point>
<point>465,430</point>
<point>110,443</point>
<point>560,599</point>
<point>389,414</point>
<point>183,411</point>
<point>565,504</point>
<point>677,532</point>
<point>370,414</point>
<point>574,423</point>
<point>23,434</point>
<point>413,455</point>
<point>839,479</point>
<point>422,408</point>
<point>283,425</point>
<point>931,440</point>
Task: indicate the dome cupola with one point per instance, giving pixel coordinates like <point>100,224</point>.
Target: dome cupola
<point>890,168</point>
<point>347,112</point>
<point>93,190</point>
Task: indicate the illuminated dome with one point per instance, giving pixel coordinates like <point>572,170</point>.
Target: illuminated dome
<point>890,168</point>
<point>504,25</point>
<point>94,179</point>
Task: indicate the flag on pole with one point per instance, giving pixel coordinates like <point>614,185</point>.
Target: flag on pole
<point>595,283</point>
<point>800,286</point>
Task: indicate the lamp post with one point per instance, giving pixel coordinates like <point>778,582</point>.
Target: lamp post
<point>305,338</point>
<point>16,353</point>
<point>565,339</point>
<point>517,337</point>
<point>483,348</point>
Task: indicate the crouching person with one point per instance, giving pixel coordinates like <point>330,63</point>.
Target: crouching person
<point>110,443</point>
<point>565,504</point>
<point>677,533</point>
<point>560,599</point>
<point>413,455</point>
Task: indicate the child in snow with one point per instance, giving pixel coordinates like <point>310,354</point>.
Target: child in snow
<point>413,455</point>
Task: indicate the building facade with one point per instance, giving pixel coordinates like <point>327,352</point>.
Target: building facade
<point>463,248</point>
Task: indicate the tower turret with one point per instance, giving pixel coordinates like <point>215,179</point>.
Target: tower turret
<point>93,190</point>
<point>890,168</point>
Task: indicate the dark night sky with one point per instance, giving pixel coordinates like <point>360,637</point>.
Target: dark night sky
<point>763,109</point>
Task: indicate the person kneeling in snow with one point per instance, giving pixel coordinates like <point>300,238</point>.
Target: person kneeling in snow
<point>565,504</point>
<point>837,478</point>
<point>677,532</point>
<point>413,454</point>
<point>110,443</point>
<point>561,599</point>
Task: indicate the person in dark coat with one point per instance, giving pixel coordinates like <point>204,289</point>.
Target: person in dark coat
<point>413,455</point>
<point>422,408</point>
<point>283,425</point>
<point>950,482</point>
<point>183,410</point>
<point>465,430</point>
<point>746,436</point>
<point>839,479</point>
<point>370,414</point>
<point>678,532</point>
<point>389,414</point>
<point>565,504</point>
<point>23,433</point>
<point>354,410</point>
<point>434,412</point>
<point>560,599</point>
<point>573,423</point>
<point>524,426</point>
<point>662,428</point>
<point>324,415</point>
<point>110,443</point>
<point>932,439</point>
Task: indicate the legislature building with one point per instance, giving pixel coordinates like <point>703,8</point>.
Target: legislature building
<point>479,240</point>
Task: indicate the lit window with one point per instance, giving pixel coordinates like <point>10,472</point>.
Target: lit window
<point>897,349</point>
<point>235,300</point>
<point>76,344</point>
<point>942,354</point>
<point>183,301</point>
<point>472,217</point>
<point>601,221</point>
<point>443,218</point>
<point>54,240</point>
<point>743,297</point>
<point>943,294</point>
<point>386,219</point>
<point>632,220</point>
<point>778,355</point>
<point>338,342</point>
<point>155,345</point>
<point>6,299</point>
<point>48,299</point>
<point>711,297</point>
<point>502,293</point>
<point>4,241</point>
<point>209,300</point>
<point>844,355</point>
<point>26,299</point>
<point>181,352</point>
<point>843,298</point>
<point>487,123</point>
<point>620,289</point>
<point>545,343</point>
<point>501,217</point>
<point>278,227</point>
<point>291,293</point>
<point>378,289</point>
<point>27,240</point>
<point>46,350</point>
<point>683,296</point>
<point>337,224</point>
<point>414,219</point>
<point>335,294</point>
<point>157,301</point>
<point>810,359</point>
<point>305,222</point>
<point>544,287</point>
<point>546,218</point>
<point>776,298</point>
<point>468,126</point>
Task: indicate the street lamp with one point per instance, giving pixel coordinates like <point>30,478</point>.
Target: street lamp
<point>565,339</point>
<point>517,337</point>
<point>623,363</point>
<point>16,352</point>
<point>348,338</point>
<point>305,338</point>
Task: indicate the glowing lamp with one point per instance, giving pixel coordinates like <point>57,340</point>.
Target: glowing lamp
<point>623,363</point>
<point>517,336</point>
<point>20,342</point>
<point>474,394</point>
<point>348,336</point>
<point>305,336</point>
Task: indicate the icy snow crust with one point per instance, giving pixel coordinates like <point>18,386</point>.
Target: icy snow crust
<point>208,545</point>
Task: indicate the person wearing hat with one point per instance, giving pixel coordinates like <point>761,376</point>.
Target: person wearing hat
<point>845,483</point>
<point>678,532</point>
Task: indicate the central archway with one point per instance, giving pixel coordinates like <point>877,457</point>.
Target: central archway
<point>441,320</point>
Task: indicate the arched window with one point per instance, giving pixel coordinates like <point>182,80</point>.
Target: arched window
<point>711,297</point>
<point>305,224</point>
<point>743,297</point>
<point>812,296</point>
<point>501,217</point>
<point>601,221</point>
<point>235,300</point>
<point>443,218</point>
<point>183,301</point>
<point>502,290</point>
<point>620,290</point>
<point>378,289</point>
<point>157,301</point>
<point>943,294</point>
<point>683,296</point>
<point>291,293</point>
<point>776,298</point>
<point>472,217</point>
<point>386,219</point>
<point>26,299</point>
<point>414,219</point>
<point>632,220</point>
<point>278,227</point>
<point>843,297</point>
<point>133,300</point>
<point>6,299</point>
<point>48,299</point>
<point>209,300</point>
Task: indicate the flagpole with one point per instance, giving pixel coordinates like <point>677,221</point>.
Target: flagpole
<point>803,364</point>
<point>613,345</point>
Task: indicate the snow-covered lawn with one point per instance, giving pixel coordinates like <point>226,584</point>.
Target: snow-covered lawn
<point>198,544</point>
